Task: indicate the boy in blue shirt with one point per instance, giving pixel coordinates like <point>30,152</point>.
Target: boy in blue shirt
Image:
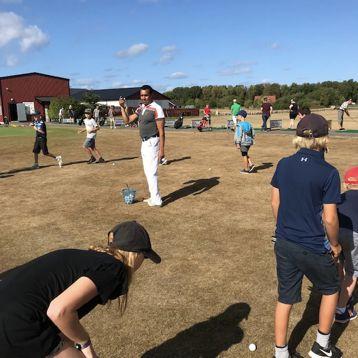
<point>348,238</point>
<point>306,190</point>
<point>244,139</point>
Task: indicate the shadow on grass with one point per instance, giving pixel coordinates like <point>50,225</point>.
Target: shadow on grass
<point>177,160</point>
<point>263,166</point>
<point>65,164</point>
<point>310,318</point>
<point>205,339</point>
<point>196,187</point>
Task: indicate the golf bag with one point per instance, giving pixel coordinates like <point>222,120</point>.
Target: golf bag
<point>204,124</point>
<point>179,122</point>
<point>101,121</point>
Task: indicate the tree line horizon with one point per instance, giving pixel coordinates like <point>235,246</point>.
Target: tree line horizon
<point>312,95</point>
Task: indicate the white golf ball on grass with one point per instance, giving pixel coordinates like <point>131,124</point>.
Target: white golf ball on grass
<point>252,347</point>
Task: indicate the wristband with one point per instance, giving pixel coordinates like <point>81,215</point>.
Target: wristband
<point>83,346</point>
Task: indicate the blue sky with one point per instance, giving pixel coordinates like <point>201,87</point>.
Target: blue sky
<point>171,43</point>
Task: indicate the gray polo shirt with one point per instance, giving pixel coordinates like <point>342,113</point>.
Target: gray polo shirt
<point>148,115</point>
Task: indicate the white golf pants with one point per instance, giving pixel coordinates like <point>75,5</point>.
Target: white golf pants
<point>150,156</point>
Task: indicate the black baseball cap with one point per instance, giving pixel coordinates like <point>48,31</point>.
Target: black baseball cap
<point>131,236</point>
<point>242,113</point>
<point>312,126</point>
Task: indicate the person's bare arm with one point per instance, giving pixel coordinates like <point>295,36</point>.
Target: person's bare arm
<point>331,223</point>
<point>62,311</point>
<point>271,110</point>
<point>275,202</point>
<point>160,126</point>
<point>347,113</point>
<point>127,118</point>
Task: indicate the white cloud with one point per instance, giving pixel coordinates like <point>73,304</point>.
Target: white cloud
<point>168,53</point>
<point>133,50</point>
<point>12,28</point>
<point>237,69</point>
<point>177,75</point>
<point>275,46</point>
<point>32,38</point>
<point>11,60</point>
<point>86,82</point>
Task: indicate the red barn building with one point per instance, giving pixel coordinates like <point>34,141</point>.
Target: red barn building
<point>21,95</point>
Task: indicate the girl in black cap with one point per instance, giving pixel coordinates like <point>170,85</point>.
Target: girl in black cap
<point>42,301</point>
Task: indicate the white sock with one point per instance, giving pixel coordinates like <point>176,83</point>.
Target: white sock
<point>282,352</point>
<point>340,310</point>
<point>323,339</point>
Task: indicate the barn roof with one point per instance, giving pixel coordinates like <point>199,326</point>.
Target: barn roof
<point>32,74</point>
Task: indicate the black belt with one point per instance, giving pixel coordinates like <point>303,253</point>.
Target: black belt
<point>146,138</point>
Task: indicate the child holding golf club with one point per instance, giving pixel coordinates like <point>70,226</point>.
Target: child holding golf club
<point>91,127</point>
<point>42,301</point>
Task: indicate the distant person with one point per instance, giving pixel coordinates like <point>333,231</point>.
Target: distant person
<point>348,238</point>
<point>244,139</point>
<point>39,126</point>
<point>266,110</point>
<point>61,115</point>
<point>111,121</point>
<point>343,109</point>
<point>235,109</point>
<point>96,113</point>
<point>303,111</point>
<point>71,114</point>
<point>293,112</point>
<point>91,127</point>
<point>151,119</point>
<point>207,113</point>
<point>305,192</point>
<point>6,121</point>
<point>42,301</point>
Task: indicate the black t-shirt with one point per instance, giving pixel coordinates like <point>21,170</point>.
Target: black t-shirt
<point>27,290</point>
<point>294,108</point>
<point>41,125</point>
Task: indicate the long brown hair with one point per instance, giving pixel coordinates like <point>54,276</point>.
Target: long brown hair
<point>127,259</point>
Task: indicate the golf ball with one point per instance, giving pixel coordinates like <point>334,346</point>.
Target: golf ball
<point>252,347</point>
<point>113,164</point>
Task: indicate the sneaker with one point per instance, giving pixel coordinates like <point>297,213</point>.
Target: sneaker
<point>163,161</point>
<point>251,168</point>
<point>318,351</point>
<point>91,160</point>
<point>244,171</point>
<point>100,160</point>
<point>273,238</point>
<point>342,129</point>
<point>346,316</point>
<point>35,166</point>
<point>152,203</point>
<point>146,200</point>
<point>59,161</point>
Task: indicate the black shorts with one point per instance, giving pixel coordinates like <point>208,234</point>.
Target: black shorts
<point>244,150</point>
<point>293,115</point>
<point>40,145</point>
<point>295,261</point>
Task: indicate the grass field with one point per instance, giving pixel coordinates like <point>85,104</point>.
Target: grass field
<point>215,290</point>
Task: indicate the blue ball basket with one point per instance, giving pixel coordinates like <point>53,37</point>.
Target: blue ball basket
<point>128,195</point>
